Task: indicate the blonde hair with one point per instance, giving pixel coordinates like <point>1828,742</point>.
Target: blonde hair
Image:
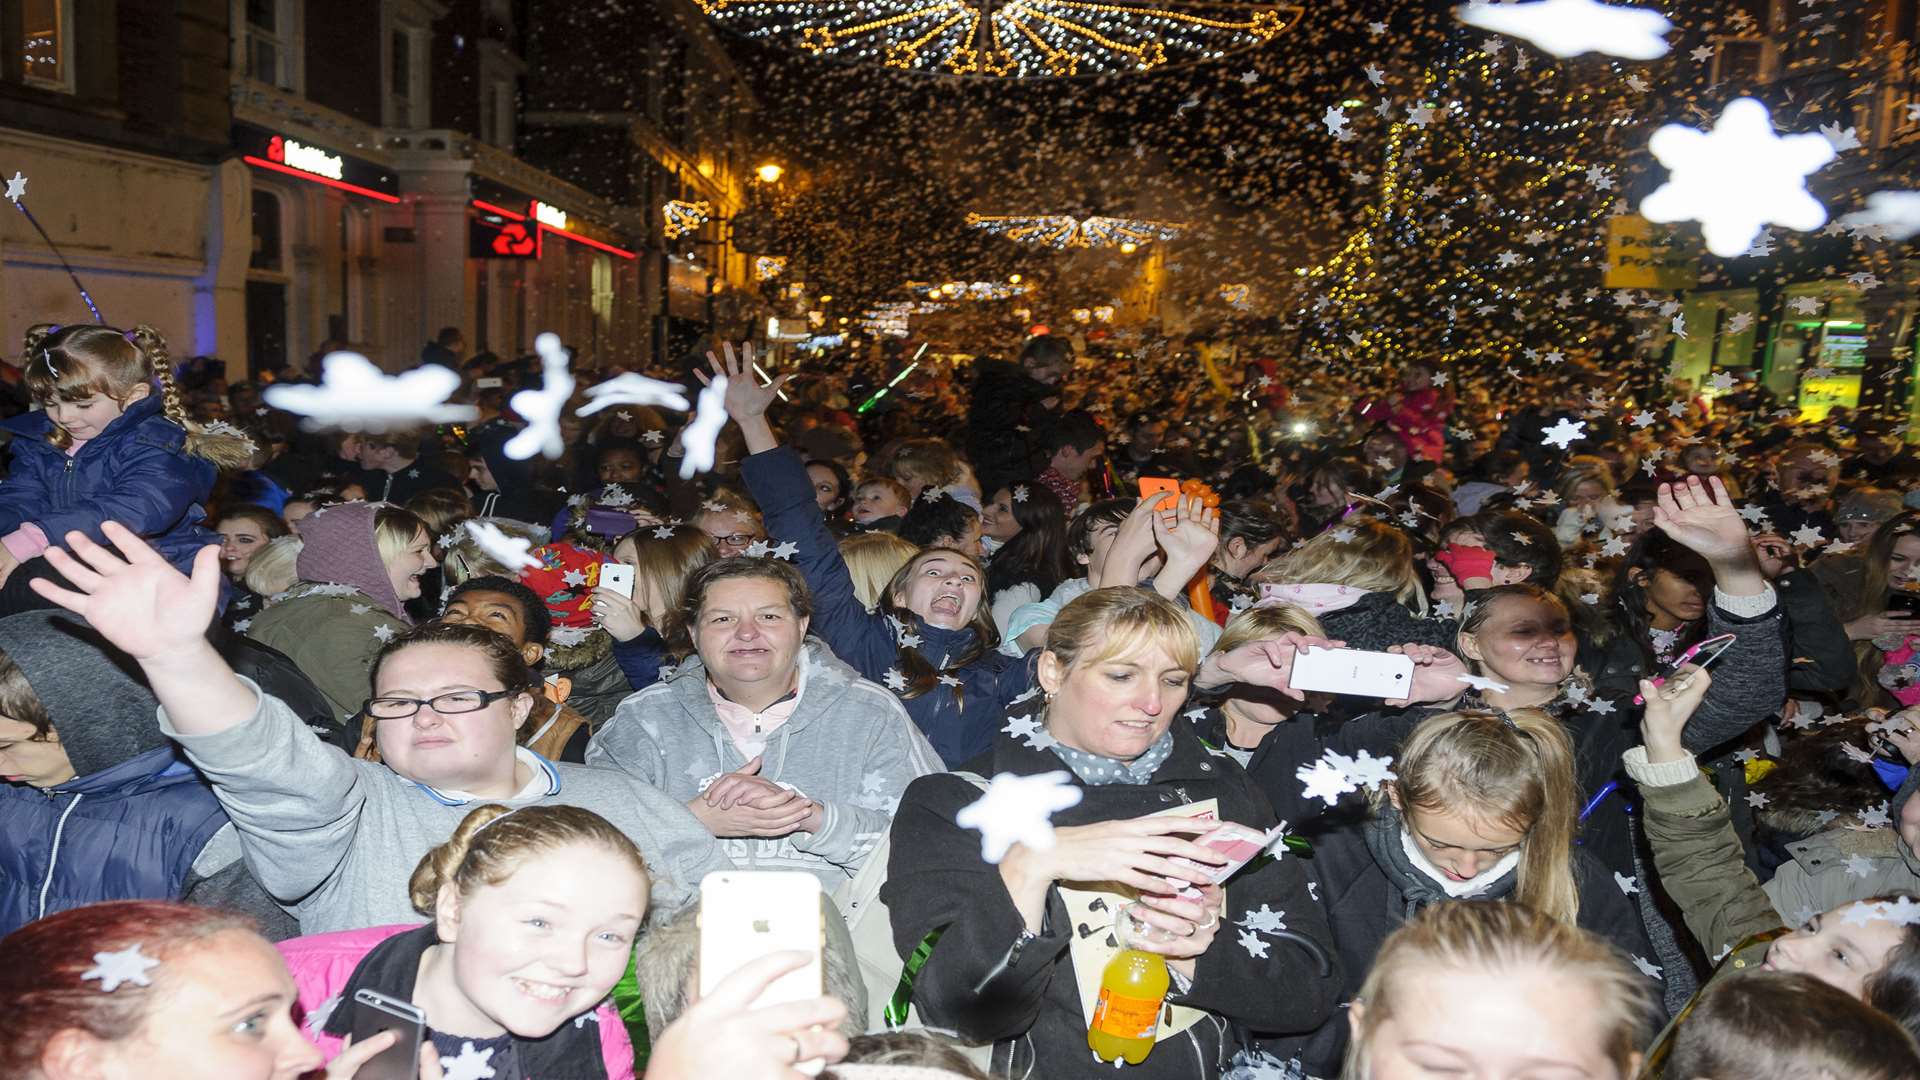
<point>1373,557</point>
<point>275,567</point>
<point>465,558</point>
<point>1261,623</point>
<point>664,563</point>
<point>1515,768</point>
<point>491,843</point>
<point>930,461</point>
<point>395,528</point>
<point>1580,469</point>
<point>1501,939</point>
<point>1101,624</point>
<point>73,363</point>
<point>872,559</point>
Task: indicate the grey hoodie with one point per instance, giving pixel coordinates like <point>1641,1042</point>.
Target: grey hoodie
<point>1842,865</point>
<point>335,839</point>
<point>848,746</point>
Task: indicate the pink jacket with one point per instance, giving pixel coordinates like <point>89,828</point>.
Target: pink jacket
<point>322,964</point>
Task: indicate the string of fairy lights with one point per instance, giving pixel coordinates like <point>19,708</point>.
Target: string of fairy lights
<point>1010,38</point>
<point>1472,223</point>
<point>1064,231</point>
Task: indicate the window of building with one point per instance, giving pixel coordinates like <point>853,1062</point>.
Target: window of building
<point>46,44</point>
<point>271,41</point>
<point>406,76</point>
<point>502,130</point>
<point>1739,62</point>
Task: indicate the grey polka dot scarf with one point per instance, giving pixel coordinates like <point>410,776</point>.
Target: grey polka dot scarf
<point>1097,771</point>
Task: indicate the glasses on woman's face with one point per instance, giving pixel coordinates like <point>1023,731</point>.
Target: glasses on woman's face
<point>459,701</point>
<point>738,540</point>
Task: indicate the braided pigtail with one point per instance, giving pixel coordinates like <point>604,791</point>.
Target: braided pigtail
<point>37,335</point>
<point>222,444</point>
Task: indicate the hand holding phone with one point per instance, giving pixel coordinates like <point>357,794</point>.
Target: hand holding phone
<point>617,577</point>
<point>746,915</point>
<point>375,1013</point>
<point>1706,651</point>
<point>1353,672</point>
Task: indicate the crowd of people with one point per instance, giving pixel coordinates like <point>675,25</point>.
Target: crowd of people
<point>282,730</point>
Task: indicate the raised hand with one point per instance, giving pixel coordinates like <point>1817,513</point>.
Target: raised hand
<point>1133,544</point>
<point>135,598</point>
<point>1188,536</point>
<point>1702,520</point>
<point>1668,708</point>
<point>746,398</point>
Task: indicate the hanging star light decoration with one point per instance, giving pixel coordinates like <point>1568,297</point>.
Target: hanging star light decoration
<point>1737,178</point>
<point>684,216</point>
<point>1010,38</point>
<point>1063,231</point>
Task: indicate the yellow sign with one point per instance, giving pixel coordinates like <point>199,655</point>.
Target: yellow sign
<point>1819,396</point>
<point>1643,255</point>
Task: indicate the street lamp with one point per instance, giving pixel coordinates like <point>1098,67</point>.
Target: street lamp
<point>770,173</point>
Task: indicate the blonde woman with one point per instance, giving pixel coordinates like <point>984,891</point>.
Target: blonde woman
<point>1483,808</point>
<point>1115,673</point>
<point>1268,732</point>
<point>1358,579</point>
<point>1587,501</point>
<point>872,559</point>
<point>1497,990</point>
<point>646,633</point>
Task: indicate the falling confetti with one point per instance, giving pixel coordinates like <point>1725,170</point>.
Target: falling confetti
<point>1019,810</point>
<point>355,395</point>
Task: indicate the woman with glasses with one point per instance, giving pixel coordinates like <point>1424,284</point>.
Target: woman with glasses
<point>333,839</point>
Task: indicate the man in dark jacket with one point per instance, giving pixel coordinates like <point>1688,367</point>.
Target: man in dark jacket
<point>98,805</point>
<point>1013,408</point>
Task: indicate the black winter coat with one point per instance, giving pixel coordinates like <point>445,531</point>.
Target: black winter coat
<point>1006,423</point>
<point>1379,621</point>
<point>982,982</point>
<point>1366,902</point>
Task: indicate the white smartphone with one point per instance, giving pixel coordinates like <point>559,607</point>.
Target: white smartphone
<point>1354,672</point>
<point>745,915</point>
<point>618,577</point>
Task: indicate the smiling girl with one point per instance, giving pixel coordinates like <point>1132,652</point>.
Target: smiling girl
<point>1483,809</point>
<point>110,440</point>
<point>535,911</point>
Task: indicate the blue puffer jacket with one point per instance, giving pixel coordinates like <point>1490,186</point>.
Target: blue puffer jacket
<point>128,832</point>
<point>136,472</point>
<point>960,721</point>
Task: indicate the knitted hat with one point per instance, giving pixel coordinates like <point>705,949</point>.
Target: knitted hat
<point>565,582</point>
<point>340,548</point>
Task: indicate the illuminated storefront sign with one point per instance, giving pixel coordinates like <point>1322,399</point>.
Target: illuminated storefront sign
<point>273,151</point>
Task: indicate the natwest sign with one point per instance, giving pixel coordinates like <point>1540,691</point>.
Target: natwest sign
<point>306,158</point>
<point>277,152</point>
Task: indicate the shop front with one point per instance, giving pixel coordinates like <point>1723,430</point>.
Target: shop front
<point>319,220</point>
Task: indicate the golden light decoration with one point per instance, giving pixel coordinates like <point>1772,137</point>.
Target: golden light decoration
<point>684,216</point>
<point>1236,293</point>
<point>768,267</point>
<point>1062,231</point>
<point>965,290</point>
<point>1010,38</point>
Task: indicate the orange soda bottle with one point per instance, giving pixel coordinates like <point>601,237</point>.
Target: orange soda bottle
<point>1127,1016</point>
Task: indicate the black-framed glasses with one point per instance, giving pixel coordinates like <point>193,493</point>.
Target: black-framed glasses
<point>458,701</point>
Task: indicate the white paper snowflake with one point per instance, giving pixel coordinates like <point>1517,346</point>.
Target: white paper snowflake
<point>632,389</point>
<point>1736,178</point>
<point>469,1064</point>
<point>1563,433</point>
<point>355,395</point>
<point>1324,781</point>
<point>541,408</point>
<point>1018,810</point>
<point>1572,27</point>
<point>702,434</point>
<point>508,551</point>
<point>1255,945</point>
<point>116,969</point>
<point>1648,968</point>
<point>1480,682</point>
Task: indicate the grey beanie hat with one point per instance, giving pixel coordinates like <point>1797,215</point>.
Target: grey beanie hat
<point>93,693</point>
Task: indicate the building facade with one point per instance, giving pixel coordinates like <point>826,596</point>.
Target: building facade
<point>1830,320</point>
<point>266,180</point>
<point>114,113</point>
